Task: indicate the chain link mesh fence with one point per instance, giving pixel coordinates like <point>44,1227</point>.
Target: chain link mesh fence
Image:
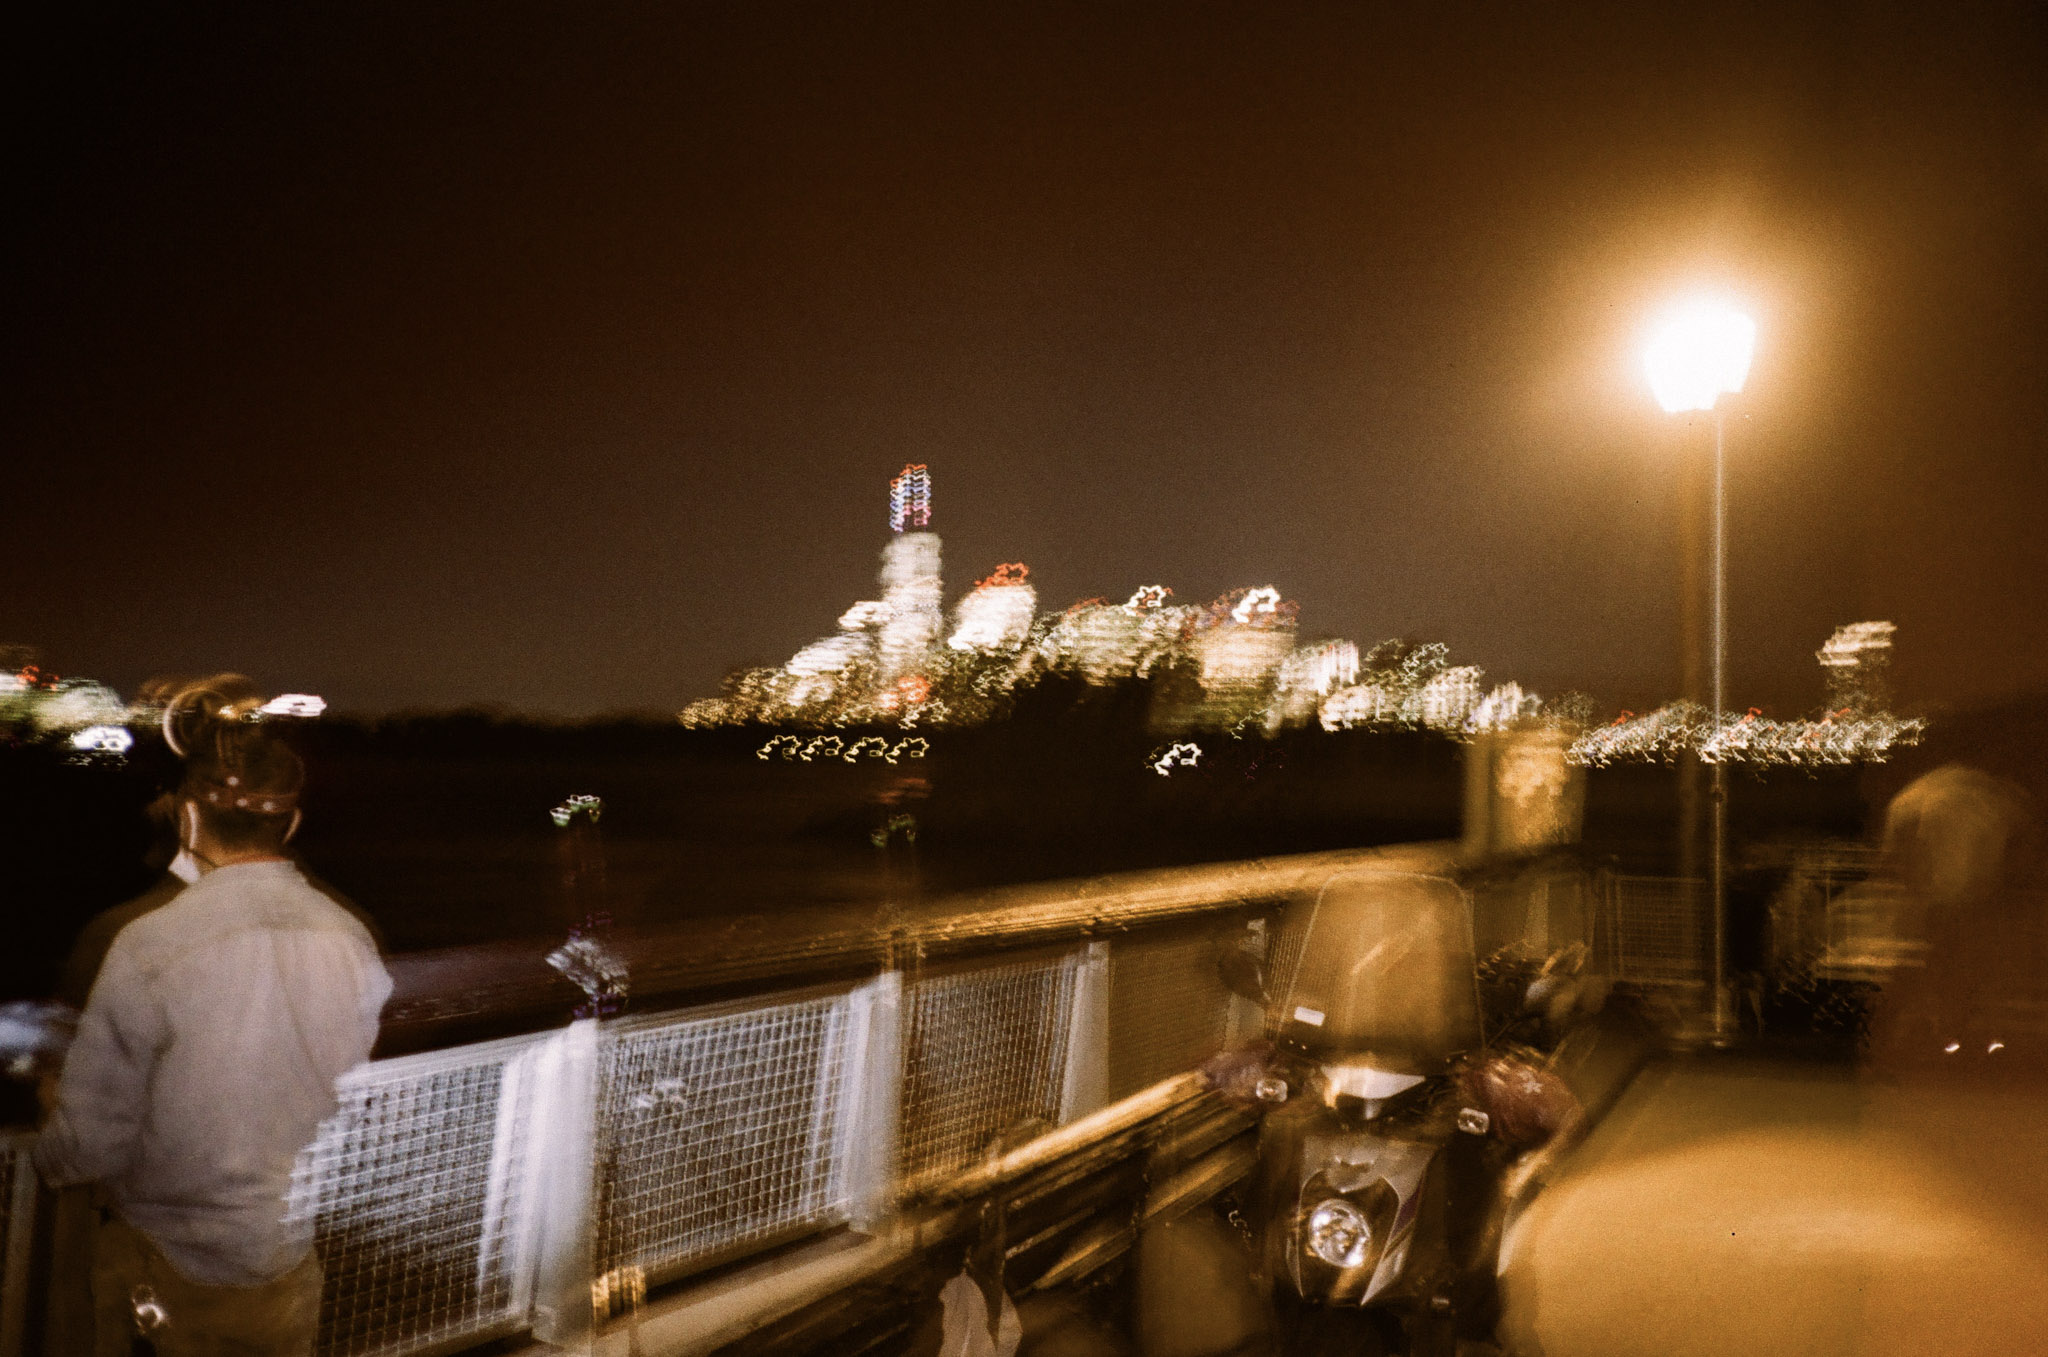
<point>721,1131</point>
<point>1652,930</point>
<point>1285,933</point>
<point>985,1055</point>
<point>709,1133</point>
<point>1168,1007</point>
<point>1836,933</point>
<point>414,1187</point>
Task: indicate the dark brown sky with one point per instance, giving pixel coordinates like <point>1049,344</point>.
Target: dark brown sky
<point>428,355</point>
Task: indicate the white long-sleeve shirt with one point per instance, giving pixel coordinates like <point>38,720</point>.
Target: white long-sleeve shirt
<point>206,1060</point>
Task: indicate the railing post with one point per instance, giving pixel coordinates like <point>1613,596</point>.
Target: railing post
<point>561,1183</point>
<point>1243,1019</point>
<point>1084,1085</point>
<point>872,1092</point>
<point>17,1227</point>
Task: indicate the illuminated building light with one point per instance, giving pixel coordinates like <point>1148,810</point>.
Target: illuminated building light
<point>816,674</point>
<point>33,678</point>
<point>1361,704</point>
<point>807,695</point>
<point>75,703</point>
<point>1308,675</point>
<point>906,825</point>
<point>833,655</point>
<point>995,682</point>
<point>1450,696</point>
<point>1392,698</point>
<point>997,614</point>
<point>589,807</point>
<point>1159,636</point>
<point>294,704</point>
<point>705,713</point>
<point>1839,738</point>
<point>1186,754</point>
<point>1503,707</point>
<point>1405,685</point>
<point>1408,665</point>
<point>1856,660</point>
<point>894,661</point>
<point>791,747</point>
<point>1256,603</point>
<point>103,740</point>
<point>1852,644</point>
<point>1235,659</point>
<point>912,588</point>
<point>910,499</point>
<point>1661,736</point>
<point>596,969</point>
<point>1147,597</point>
<point>1096,639</point>
<point>1009,572</point>
<point>864,615</point>
<point>1321,668</point>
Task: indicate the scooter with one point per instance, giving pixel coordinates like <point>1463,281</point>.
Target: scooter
<point>1408,1092</point>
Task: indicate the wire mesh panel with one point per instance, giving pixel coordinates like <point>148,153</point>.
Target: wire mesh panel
<point>719,1130</point>
<point>1654,931</point>
<point>1869,925</point>
<point>1168,1007</point>
<point>1285,931</point>
<point>984,1060</point>
<point>415,1187</point>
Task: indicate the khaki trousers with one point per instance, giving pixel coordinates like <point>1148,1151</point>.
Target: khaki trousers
<point>276,1319</point>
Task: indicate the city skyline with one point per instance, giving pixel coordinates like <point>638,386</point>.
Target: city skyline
<point>503,357</point>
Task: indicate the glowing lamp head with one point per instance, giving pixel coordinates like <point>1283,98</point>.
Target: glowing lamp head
<point>1698,354</point>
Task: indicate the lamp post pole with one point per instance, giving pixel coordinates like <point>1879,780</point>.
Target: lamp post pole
<point>1717,888</point>
<point>1698,355</point>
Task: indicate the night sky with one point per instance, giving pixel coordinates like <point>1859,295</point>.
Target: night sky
<point>559,357</point>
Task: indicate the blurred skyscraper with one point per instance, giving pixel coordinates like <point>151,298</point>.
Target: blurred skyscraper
<point>912,586</point>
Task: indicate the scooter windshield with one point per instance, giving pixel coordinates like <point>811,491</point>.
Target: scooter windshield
<point>1387,967</point>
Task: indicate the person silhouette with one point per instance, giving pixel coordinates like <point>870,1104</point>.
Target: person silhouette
<point>205,1061</point>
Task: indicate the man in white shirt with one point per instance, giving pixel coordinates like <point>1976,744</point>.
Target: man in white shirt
<point>204,1063</point>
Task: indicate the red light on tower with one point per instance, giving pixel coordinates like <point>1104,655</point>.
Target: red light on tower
<point>1008,573</point>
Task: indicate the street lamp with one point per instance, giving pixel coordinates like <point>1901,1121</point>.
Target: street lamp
<point>1700,353</point>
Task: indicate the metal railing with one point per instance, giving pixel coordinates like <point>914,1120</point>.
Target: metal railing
<point>17,1230</point>
<point>534,1182</point>
<point>985,1059</point>
<point>1652,930</point>
<point>1845,919</point>
<point>419,1190</point>
<point>726,1129</point>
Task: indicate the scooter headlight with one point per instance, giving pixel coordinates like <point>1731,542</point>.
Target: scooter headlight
<point>1338,1233</point>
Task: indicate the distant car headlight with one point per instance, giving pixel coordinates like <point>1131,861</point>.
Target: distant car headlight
<point>1338,1233</point>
